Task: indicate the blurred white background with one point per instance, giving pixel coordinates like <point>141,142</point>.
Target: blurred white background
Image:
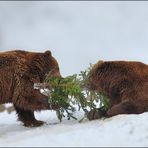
<point>77,33</point>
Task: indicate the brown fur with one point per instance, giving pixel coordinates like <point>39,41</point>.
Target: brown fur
<point>19,70</point>
<point>126,84</point>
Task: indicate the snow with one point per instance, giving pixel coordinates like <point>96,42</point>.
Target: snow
<point>78,33</point>
<point>121,130</point>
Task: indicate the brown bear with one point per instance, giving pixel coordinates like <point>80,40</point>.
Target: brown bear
<point>19,70</point>
<point>125,83</point>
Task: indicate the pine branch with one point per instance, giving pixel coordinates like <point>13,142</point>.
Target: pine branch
<point>70,91</point>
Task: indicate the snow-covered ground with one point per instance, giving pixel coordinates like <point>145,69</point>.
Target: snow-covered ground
<point>78,33</point>
<point>122,130</point>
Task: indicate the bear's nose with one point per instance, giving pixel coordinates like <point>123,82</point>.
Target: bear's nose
<point>56,73</point>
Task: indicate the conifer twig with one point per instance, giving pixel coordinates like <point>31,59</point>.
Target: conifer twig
<point>71,91</point>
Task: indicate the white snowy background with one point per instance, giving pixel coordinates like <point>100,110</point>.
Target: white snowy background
<point>77,33</point>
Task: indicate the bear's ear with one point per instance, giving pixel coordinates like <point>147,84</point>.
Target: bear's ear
<point>47,53</point>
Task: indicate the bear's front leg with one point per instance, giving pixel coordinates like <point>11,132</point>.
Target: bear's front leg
<point>27,117</point>
<point>125,107</point>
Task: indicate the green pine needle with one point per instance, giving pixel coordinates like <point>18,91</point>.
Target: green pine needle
<point>71,91</point>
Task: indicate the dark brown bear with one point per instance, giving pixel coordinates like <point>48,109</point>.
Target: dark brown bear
<point>19,70</point>
<point>125,83</point>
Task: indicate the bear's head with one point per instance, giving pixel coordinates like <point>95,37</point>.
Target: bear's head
<point>52,64</point>
<point>94,76</point>
<point>41,64</point>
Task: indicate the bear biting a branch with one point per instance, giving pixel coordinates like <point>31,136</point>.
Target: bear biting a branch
<point>19,70</point>
<point>125,83</point>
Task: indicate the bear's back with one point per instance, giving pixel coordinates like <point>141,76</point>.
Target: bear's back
<point>129,68</point>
